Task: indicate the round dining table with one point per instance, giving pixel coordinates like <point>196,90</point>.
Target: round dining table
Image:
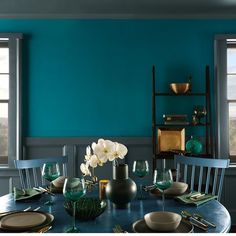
<point>213,211</point>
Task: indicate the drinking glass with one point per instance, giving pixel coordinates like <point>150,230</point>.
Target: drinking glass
<point>73,190</point>
<point>140,169</point>
<point>50,172</point>
<point>163,180</point>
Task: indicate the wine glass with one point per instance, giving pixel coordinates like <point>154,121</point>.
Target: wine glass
<point>140,169</point>
<point>73,190</point>
<point>163,180</point>
<point>50,171</point>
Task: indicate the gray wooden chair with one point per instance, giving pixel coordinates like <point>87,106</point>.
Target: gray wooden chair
<point>208,173</point>
<point>30,170</point>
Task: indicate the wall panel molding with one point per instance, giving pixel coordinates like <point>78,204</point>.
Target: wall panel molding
<point>75,148</point>
<point>38,141</point>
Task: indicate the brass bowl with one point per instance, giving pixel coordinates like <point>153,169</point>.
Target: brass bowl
<point>180,88</point>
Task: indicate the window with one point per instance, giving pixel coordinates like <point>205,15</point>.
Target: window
<point>10,98</point>
<point>231,94</point>
<point>4,100</point>
<point>225,65</point>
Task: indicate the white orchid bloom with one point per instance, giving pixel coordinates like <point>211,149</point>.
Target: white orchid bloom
<point>88,153</point>
<point>100,153</point>
<point>104,149</point>
<point>93,145</point>
<point>85,169</point>
<point>120,151</point>
<point>94,161</point>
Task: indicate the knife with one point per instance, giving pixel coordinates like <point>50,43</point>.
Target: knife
<point>199,217</point>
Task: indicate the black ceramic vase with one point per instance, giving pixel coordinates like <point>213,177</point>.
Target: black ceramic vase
<point>121,190</point>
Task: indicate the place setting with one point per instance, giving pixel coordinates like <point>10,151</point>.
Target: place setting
<point>172,222</point>
<point>162,221</point>
<point>51,173</point>
<point>33,220</point>
<point>180,191</point>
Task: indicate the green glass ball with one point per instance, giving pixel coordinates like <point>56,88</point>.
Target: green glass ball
<point>194,146</point>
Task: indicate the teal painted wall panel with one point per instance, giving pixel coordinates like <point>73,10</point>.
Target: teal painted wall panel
<point>93,77</point>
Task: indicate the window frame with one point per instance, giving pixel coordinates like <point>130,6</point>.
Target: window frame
<point>221,100</point>
<point>15,98</point>
<point>4,44</point>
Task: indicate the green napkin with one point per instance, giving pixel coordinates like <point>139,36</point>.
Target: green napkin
<point>20,194</point>
<point>197,202</point>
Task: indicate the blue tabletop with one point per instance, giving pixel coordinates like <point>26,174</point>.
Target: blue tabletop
<point>212,210</point>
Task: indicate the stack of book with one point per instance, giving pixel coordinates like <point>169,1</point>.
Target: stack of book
<point>175,119</point>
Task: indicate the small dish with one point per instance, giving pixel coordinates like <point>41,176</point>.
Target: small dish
<point>140,226</point>
<point>162,221</point>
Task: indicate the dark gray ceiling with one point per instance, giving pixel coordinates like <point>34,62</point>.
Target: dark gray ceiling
<point>118,9</point>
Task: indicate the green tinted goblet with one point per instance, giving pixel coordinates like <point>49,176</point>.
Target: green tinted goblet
<point>163,180</point>
<point>74,189</point>
<point>50,172</point>
<point>140,169</point>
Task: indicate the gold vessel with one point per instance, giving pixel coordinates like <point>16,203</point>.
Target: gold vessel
<point>180,88</point>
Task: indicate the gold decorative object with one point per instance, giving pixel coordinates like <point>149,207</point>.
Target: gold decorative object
<point>102,188</point>
<point>180,88</point>
<point>171,139</point>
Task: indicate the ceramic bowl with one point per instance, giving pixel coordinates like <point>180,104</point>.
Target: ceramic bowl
<point>177,188</point>
<point>87,208</point>
<point>162,221</point>
<point>180,88</point>
<point>59,182</point>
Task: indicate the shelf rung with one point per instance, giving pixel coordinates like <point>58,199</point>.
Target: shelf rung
<point>186,94</point>
<point>171,125</point>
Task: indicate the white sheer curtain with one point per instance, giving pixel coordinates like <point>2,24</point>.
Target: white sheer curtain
<point>221,101</point>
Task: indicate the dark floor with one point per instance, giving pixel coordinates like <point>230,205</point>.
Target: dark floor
<point>233,229</point>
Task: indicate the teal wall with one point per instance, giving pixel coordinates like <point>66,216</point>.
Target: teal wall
<point>93,77</point>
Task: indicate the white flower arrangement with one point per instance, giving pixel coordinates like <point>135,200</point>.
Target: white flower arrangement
<point>100,153</point>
